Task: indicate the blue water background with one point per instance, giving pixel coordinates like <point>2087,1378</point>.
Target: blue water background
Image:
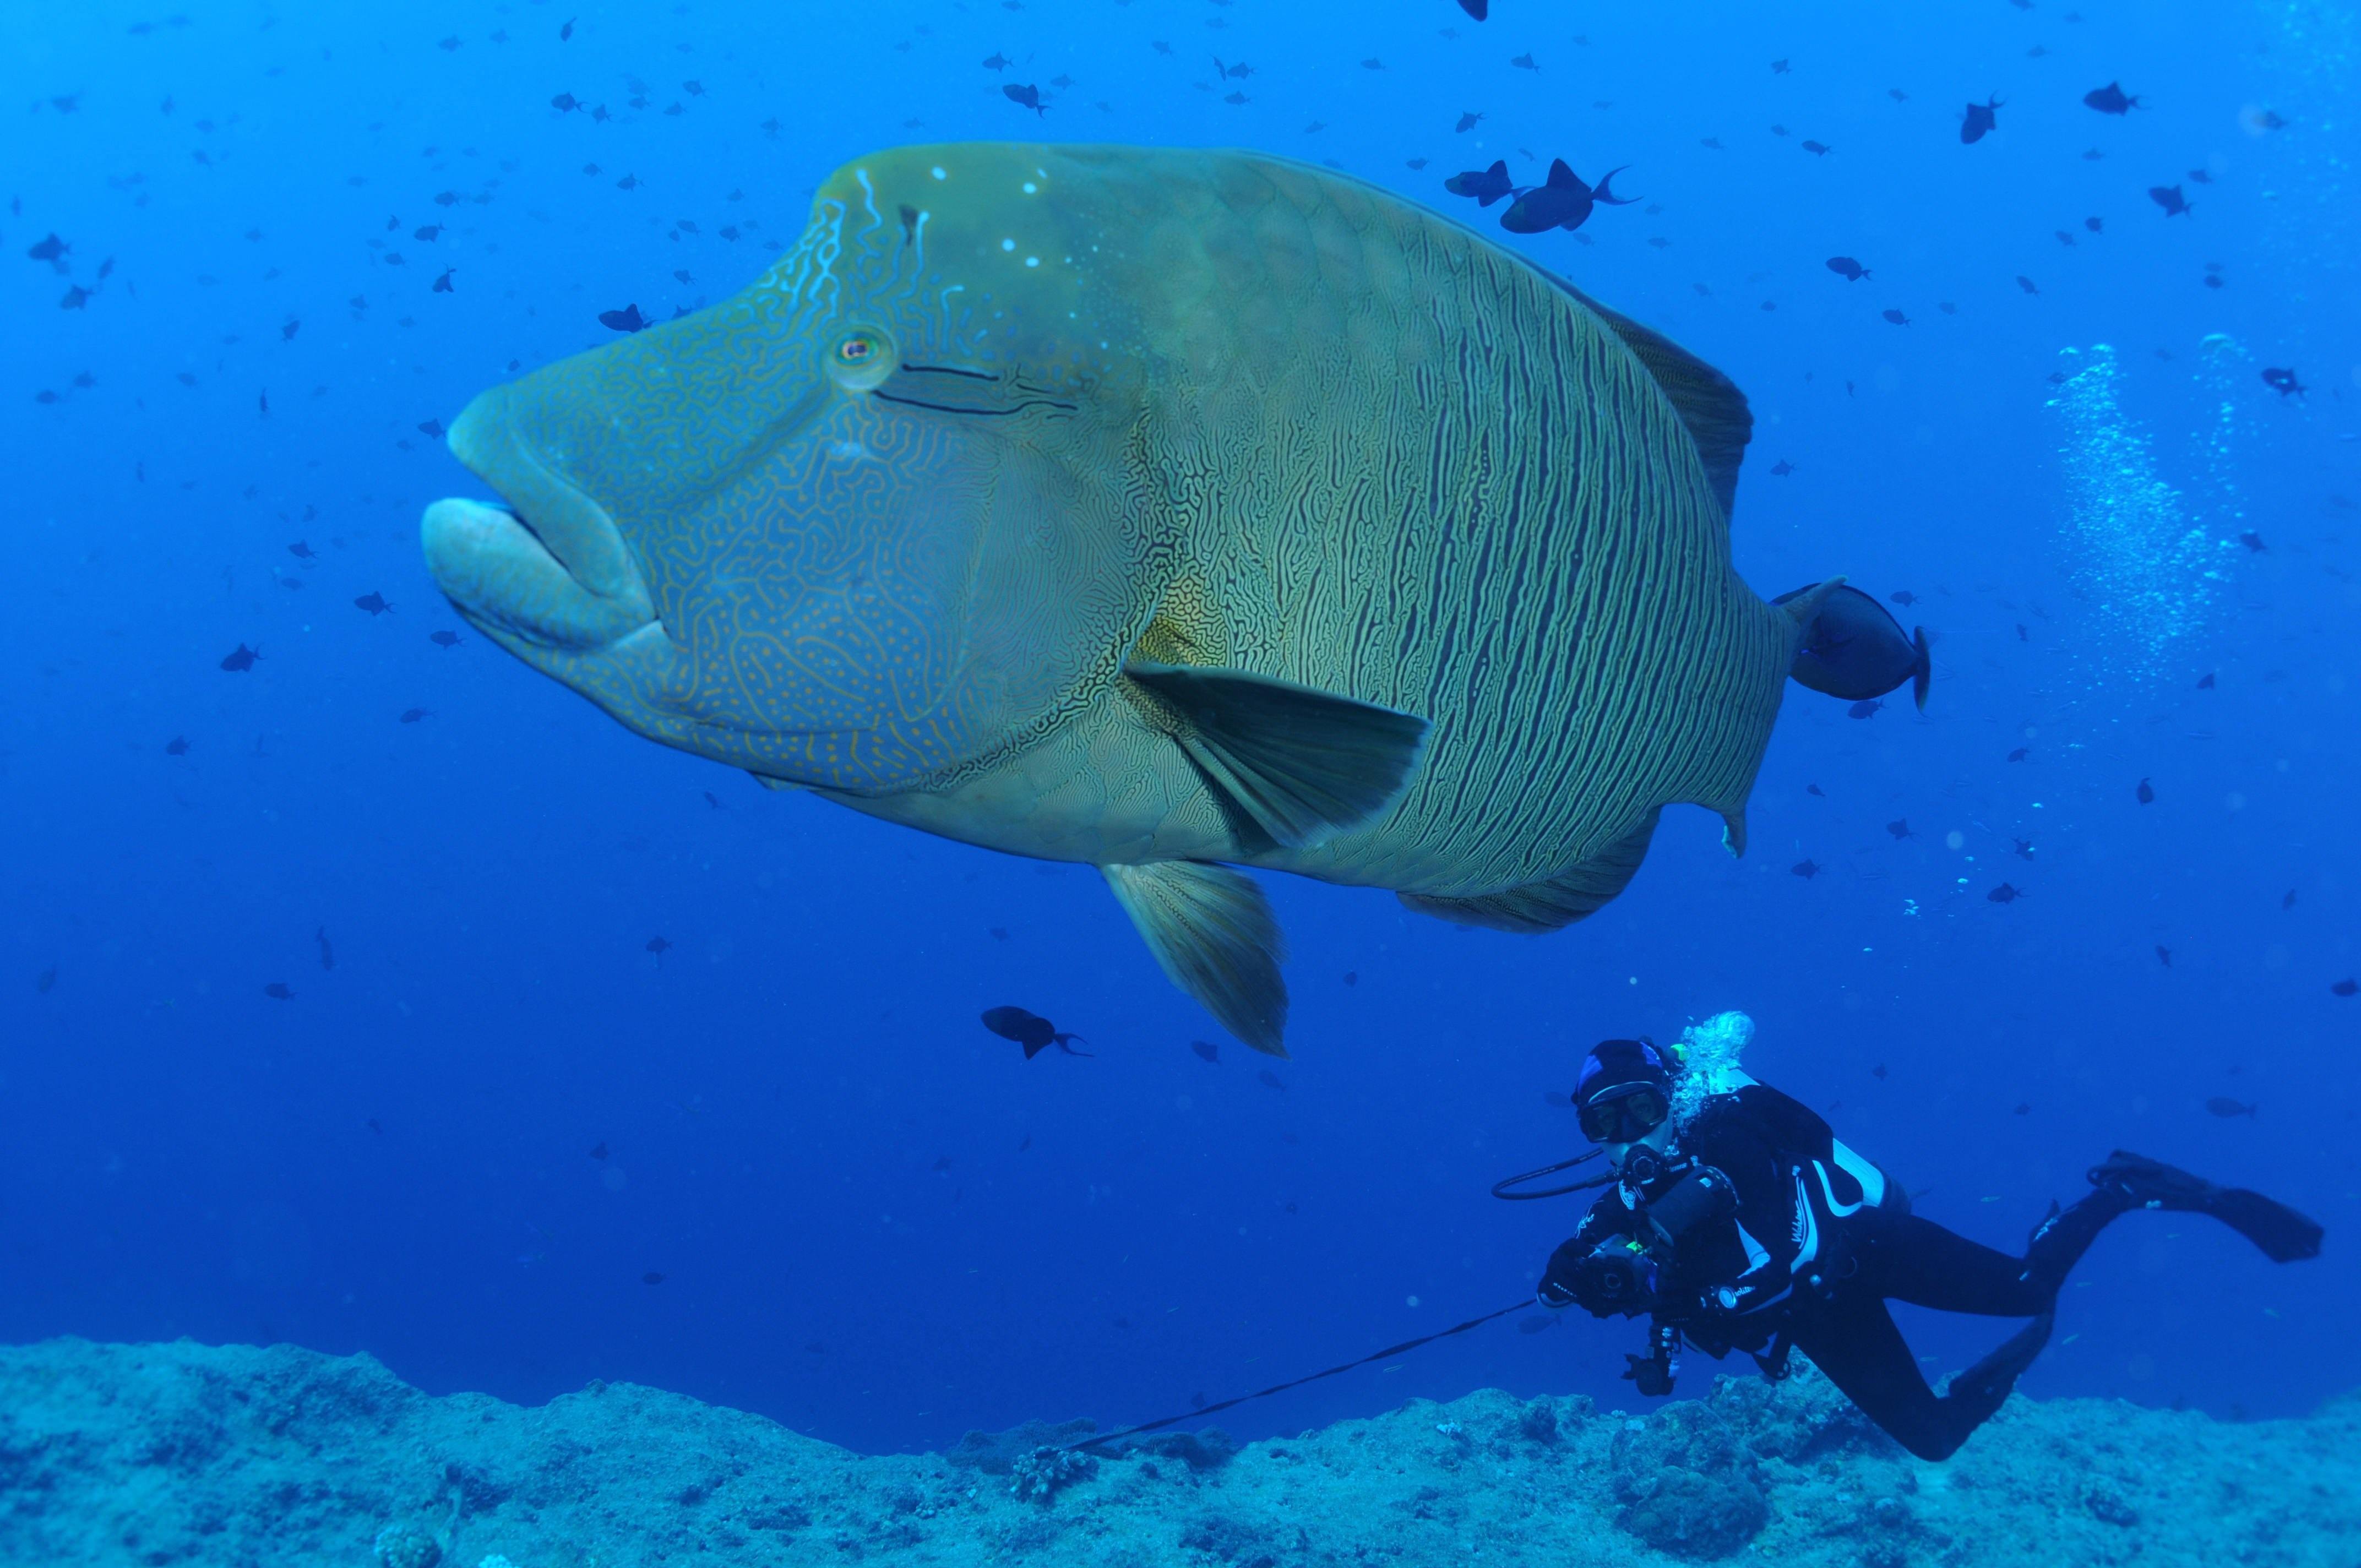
<point>872,1220</point>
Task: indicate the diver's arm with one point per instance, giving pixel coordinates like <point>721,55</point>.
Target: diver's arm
<point>1764,1186</point>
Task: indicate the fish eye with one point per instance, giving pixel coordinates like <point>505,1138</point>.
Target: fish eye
<point>860,359</point>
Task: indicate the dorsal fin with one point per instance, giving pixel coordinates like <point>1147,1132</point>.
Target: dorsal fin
<point>1710,403</point>
<point>1560,176</point>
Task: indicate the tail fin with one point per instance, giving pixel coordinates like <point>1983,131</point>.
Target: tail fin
<point>1922,673</point>
<point>1598,193</point>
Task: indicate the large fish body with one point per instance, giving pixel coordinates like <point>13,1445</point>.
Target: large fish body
<point>1164,510</point>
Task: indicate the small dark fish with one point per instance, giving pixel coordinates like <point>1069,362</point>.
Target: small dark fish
<point>599,1150</point>
<point>2111,99</point>
<point>375,1128</point>
<point>659,947</point>
<point>431,429</point>
<point>2345,988</point>
<point>240,659</point>
<point>2283,381</point>
<point>2223,1106</point>
<point>1416,163</point>
<point>1855,650</point>
<point>443,283</point>
<point>2096,226</point>
<point>1982,120</point>
<point>1373,63</point>
<point>1814,789</point>
<point>2022,634</point>
<point>1207,1049</point>
<point>1030,1030</point>
<point>2147,792</point>
<point>288,328</point>
<point>2023,1109</point>
<point>412,715</point>
<point>1808,870</point>
<point>1268,1079</point>
<point>1819,149</point>
<point>1352,977</point>
<point>1778,68</point>
<point>1025,96</point>
<point>1241,70</point>
<point>2288,902</point>
<point>567,31</point>
<point>2004,893</point>
<point>373,602</point>
<point>1863,708</point>
<point>1900,828</point>
<point>1897,317</point>
<point>2253,541</point>
<point>1467,120</point>
<point>2164,955</point>
<point>50,249</point>
<point>652,1278</point>
<point>997,61</point>
<point>1563,201</point>
<point>942,1163</point>
<point>628,319</point>
<point>47,977</point>
<point>279,991</point>
<point>2020,753</point>
<point>1846,267</point>
<point>2028,284</point>
<point>444,639</point>
<point>2200,177</point>
<point>302,550</point>
<point>1782,468</point>
<point>1525,62</point>
<point>565,103</point>
<point>2169,197</point>
<point>2063,237</point>
<point>1486,185</point>
<point>2205,682</point>
<point>1878,1071</point>
<point>713,800</point>
<point>262,405</point>
<point>1901,597</point>
<point>177,746</point>
<point>2023,848</point>
<point>328,953</point>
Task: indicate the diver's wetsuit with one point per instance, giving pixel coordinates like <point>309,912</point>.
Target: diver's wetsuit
<point>1819,1241</point>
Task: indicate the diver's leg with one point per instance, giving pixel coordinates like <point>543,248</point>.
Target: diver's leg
<point>1917,1261</point>
<point>1854,1339</point>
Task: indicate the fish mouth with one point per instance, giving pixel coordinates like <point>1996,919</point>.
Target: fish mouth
<point>548,568</point>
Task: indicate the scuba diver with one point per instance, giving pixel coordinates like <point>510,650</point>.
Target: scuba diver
<point>1736,1221</point>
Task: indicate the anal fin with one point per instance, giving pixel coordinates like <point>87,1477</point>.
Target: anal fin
<point>1554,901</point>
<point>1300,763</point>
<point>1213,933</point>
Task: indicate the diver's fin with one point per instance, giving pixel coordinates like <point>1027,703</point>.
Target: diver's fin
<point>2284,1236</point>
<point>1299,763</point>
<point>1547,906</point>
<point>1214,933</point>
<point>1710,405</point>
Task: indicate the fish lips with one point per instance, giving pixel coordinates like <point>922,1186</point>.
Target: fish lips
<point>549,570</point>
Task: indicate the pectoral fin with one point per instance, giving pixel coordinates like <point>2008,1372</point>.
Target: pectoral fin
<point>1300,763</point>
<point>1547,906</point>
<point>1214,933</point>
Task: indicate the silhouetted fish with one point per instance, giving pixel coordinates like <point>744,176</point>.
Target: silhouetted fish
<point>444,639</point>
<point>2164,955</point>
<point>1562,201</point>
<point>279,991</point>
<point>2345,987</point>
<point>2004,893</point>
<point>2169,197</point>
<point>1856,649</point>
<point>565,103</point>
<point>2147,792</point>
<point>373,602</point>
<point>1901,597</point>
<point>2283,381</point>
<point>659,947</point>
<point>412,715</point>
<point>2026,284</point>
<point>1863,708</point>
<point>1467,119</point>
<point>2111,99</point>
<point>996,60</point>
<point>1486,185</point>
<point>1899,827</point>
<point>1846,267</point>
<point>302,550</point>
<point>2222,1105</point>
<point>1808,870</point>
<point>1268,1079</point>
<point>328,953</point>
<point>2020,753</point>
<point>1982,120</point>
<point>1027,95</point>
<point>2023,848</point>
<point>1782,468</point>
<point>177,746</point>
<point>1525,63</point>
<point>49,249</point>
<point>1207,1049</point>
<point>1897,317</point>
<point>1030,1030</point>
<point>240,659</point>
<point>628,319</point>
